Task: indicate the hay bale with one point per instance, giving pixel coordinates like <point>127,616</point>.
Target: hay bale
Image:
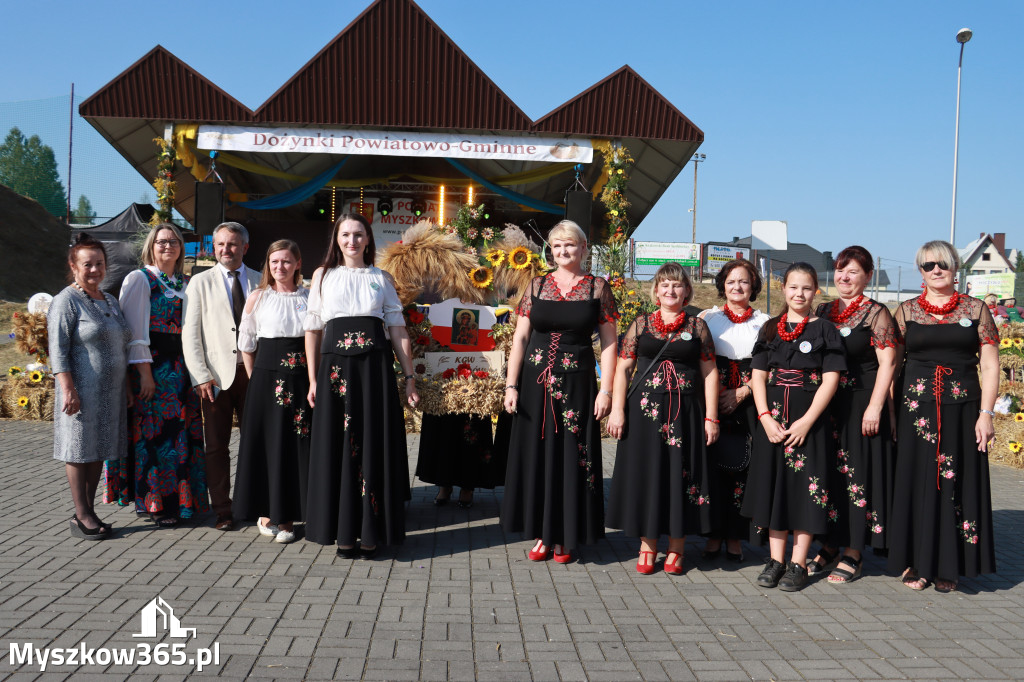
<point>25,400</point>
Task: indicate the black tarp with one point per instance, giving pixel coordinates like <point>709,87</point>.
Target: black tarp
<point>120,238</point>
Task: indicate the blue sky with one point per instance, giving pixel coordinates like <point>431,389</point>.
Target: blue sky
<point>836,117</point>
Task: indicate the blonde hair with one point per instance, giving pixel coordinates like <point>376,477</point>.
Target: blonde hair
<point>941,250</point>
<point>281,245</point>
<point>567,229</point>
<point>671,272</point>
<point>150,243</point>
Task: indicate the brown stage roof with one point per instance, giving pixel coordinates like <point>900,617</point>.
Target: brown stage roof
<point>392,68</point>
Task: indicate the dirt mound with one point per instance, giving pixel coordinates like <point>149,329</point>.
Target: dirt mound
<point>33,248</point>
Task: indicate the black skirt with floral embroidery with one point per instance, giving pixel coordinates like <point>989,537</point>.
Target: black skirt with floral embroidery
<point>459,450</point>
<point>273,452</point>
<point>359,467</point>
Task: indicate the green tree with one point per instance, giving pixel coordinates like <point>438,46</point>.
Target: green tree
<point>83,213</point>
<point>28,167</point>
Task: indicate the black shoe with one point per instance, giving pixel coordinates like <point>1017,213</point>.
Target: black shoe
<point>795,579</point>
<point>367,552</point>
<point>85,533</point>
<point>348,552</point>
<point>735,558</point>
<point>771,574</point>
<point>442,501</point>
<point>710,554</point>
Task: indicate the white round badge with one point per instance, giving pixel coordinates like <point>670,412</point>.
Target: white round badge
<point>686,336</point>
<point>844,331</point>
<point>964,322</point>
<point>805,346</point>
<point>168,293</point>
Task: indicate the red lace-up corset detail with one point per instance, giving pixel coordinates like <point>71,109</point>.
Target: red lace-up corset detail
<point>734,377</point>
<point>666,373</point>
<point>788,378</point>
<point>940,372</point>
<point>546,379</point>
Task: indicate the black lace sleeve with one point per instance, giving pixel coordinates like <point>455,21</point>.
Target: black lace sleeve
<point>526,302</point>
<point>627,349</point>
<point>707,343</point>
<point>609,311</point>
<point>987,332</point>
<point>834,355</point>
<point>900,322</point>
<point>883,328</point>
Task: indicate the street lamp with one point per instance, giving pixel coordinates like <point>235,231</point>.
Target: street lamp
<point>697,158</point>
<point>962,36</point>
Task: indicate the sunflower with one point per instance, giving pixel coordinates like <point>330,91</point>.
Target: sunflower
<point>14,371</point>
<point>1005,343</point>
<point>1015,446</point>
<point>1018,343</point>
<point>481,277</point>
<point>495,257</point>
<point>1019,417</point>
<point>519,257</point>
<point>23,402</point>
<point>35,376</point>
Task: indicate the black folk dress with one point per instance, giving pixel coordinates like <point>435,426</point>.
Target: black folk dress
<point>661,483</point>
<point>861,480</point>
<point>554,489</point>
<point>787,486</point>
<point>941,519</point>
<point>459,450</point>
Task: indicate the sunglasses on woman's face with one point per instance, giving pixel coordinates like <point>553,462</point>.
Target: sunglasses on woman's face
<point>932,264</point>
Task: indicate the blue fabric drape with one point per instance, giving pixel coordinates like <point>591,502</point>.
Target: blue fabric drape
<point>507,193</point>
<point>296,194</point>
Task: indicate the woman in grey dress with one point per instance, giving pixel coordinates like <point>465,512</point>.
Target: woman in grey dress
<point>88,356</point>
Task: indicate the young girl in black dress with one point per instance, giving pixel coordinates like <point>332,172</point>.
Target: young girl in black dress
<point>796,366</point>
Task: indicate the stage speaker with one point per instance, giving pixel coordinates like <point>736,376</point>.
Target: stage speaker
<point>209,206</point>
<point>579,209</point>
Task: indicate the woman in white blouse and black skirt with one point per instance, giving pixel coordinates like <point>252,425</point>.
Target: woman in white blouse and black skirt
<point>273,453</point>
<point>359,466</point>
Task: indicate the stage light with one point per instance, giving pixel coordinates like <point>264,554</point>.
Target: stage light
<point>321,206</point>
<point>485,214</point>
<point>384,205</point>
<point>440,220</point>
<point>469,196</point>
<point>418,207</point>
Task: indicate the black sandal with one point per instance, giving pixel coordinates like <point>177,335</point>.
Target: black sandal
<point>166,521</point>
<point>830,558</point>
<point>846,575</point>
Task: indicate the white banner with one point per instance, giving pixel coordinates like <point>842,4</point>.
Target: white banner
<point>658,253</point>
<point>394,143</point>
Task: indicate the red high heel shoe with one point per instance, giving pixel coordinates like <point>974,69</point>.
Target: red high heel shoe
<point>563,558</point>
<point>645,568</point>
<point>674,567</point>
<point>536,555</point>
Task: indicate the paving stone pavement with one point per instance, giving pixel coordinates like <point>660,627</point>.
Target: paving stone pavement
<point>461,601</point>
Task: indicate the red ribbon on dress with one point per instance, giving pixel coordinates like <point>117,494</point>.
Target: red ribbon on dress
<point>546,379</point>
<point>735,377</point>
<point>937,392</point>
<point>788,378</point>
<point>667,370</point>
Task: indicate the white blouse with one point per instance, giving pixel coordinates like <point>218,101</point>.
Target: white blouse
<point>276,315</point>
<point>352,292</point>
<point>134,301</point>
<point>734,341</point>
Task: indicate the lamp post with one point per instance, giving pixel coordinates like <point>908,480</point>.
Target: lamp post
<point>962,36</point>
<point>697,158</point>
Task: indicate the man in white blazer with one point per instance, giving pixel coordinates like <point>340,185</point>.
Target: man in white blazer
<point>213,307</point>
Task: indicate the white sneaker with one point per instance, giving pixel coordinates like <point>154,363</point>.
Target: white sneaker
<point>285,536</point>
<point>270,530</point>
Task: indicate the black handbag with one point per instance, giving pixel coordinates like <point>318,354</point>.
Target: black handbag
<point>732,450</point>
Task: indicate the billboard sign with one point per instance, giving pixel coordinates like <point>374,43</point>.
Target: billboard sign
<point>719,255</point>
<point>659,253</point>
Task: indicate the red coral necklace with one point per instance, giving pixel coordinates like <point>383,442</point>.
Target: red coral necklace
<point>665,329</point>
<point>851,309</point>
<point>797,331</point>
<point>931,309</point>
<point>738,319</point>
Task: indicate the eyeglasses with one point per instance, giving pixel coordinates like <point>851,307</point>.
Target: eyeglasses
<point>932,264</point>
<point>166,242</point>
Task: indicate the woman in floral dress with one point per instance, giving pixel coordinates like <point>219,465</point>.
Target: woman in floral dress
<point>554,490</point>
<point>941,519</point>
<point>273,452</point>
<point>165,474</point>
<point>796,366</point>
<point>661,484</point>
<point>860,413</point>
